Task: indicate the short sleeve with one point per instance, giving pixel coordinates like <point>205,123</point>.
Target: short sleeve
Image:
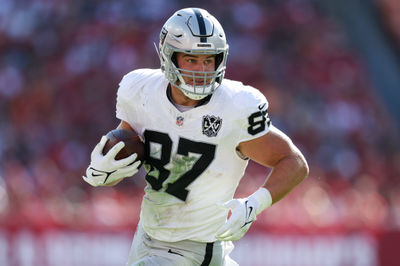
<point>125,99</point>
<point>255,120</point>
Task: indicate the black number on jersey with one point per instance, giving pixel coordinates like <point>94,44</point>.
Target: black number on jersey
<point>177,188</point>
<point>257,122</point>
<point>166,147</point>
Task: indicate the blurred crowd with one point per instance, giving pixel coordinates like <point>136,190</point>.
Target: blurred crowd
<point>389,12</point>
<point>60,65</point>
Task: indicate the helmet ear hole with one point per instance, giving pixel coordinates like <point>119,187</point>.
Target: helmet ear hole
<point>174,59</point>
<point>218,60</point>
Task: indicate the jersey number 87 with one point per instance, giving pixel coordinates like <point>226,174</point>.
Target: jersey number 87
<point>178,187</point>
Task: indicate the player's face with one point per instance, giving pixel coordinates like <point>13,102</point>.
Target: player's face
<point>200,63</point>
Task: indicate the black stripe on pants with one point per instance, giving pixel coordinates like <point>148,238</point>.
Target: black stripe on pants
<point>208,255</point>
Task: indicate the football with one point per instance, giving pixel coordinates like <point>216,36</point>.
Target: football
<point>133,144</point>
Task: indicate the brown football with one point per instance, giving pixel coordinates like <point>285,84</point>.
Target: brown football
<point>133,143</point>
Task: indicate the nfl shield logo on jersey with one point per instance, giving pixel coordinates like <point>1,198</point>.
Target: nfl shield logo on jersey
<point>179,121</point>
<point>211,125</point>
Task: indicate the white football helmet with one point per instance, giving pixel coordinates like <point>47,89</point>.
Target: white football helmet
<point>193,31</point>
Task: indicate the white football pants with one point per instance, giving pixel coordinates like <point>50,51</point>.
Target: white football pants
<point>146,251</point>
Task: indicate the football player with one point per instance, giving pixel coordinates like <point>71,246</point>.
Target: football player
<point>199,130</point>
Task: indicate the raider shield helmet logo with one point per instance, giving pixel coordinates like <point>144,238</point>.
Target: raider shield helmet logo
<point>211,125</point>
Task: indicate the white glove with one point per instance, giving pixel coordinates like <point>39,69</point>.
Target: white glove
<point>244,213</point>
<point>104,169</point>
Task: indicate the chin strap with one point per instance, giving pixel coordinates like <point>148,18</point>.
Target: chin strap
<point>187,90</point>
<point>194,96</point>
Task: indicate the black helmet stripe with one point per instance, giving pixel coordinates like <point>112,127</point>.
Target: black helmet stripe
<point>202,26</point>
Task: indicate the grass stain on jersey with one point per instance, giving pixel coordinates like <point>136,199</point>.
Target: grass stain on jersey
<point>178,166</point>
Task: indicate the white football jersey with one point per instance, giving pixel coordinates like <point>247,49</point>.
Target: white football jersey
<point>192,163</point>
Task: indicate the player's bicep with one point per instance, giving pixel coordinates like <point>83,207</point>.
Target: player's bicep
<point>268,149</point>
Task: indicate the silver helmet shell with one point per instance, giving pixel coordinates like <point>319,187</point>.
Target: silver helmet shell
<point>193,31</point>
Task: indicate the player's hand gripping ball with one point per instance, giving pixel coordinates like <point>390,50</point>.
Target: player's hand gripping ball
<point>118,155</point>
<point>133,144</point>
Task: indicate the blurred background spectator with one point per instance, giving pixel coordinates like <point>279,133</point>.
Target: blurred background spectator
<point>60,65</point>
<point>390,10</point>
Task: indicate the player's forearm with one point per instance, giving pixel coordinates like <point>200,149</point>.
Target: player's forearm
<point>286,175</point>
